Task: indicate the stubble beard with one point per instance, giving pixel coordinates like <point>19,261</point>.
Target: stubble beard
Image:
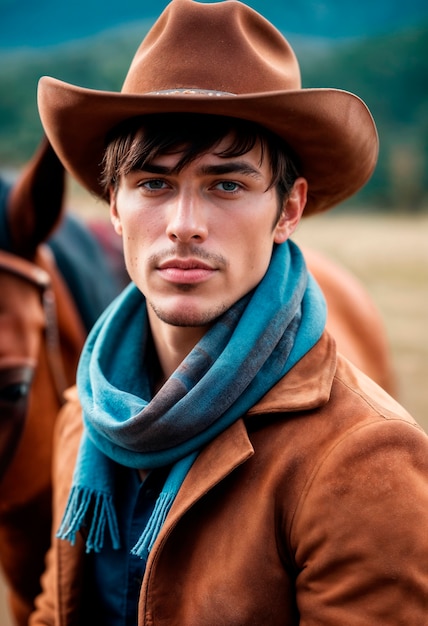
<point>188,318</point>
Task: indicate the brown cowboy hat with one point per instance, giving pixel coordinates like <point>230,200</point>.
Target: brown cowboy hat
<point>222,59</point>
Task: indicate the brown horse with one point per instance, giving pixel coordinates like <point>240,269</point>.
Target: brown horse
<point>43,324</point>
<point>38,360</point>
<point>42,330</point>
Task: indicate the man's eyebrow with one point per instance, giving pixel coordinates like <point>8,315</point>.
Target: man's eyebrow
<point>152,168</point>
<point>231,167</point>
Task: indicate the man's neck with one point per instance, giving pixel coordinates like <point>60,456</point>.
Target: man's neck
<point>172,344</point>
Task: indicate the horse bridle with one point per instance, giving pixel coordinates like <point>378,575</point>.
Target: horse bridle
<point>16,380</point>
<point>41,280</point>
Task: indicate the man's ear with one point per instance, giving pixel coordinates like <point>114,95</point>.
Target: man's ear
<point>114,215</point>
<point>292,211</point>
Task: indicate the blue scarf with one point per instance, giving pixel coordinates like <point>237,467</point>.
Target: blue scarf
<point>245,353</point>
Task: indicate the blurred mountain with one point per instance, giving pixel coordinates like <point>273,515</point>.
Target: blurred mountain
<point>25,23</point>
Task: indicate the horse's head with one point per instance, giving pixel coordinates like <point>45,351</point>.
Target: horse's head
<point>41,335</point>
<point>54,283</point>
<point>34,341</point>
<point>24,287</point>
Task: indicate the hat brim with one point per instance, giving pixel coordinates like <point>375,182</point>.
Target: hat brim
<point>331,131</point>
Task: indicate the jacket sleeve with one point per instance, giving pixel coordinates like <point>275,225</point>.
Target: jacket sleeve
<point>361,530</point>
<point>66,443</point>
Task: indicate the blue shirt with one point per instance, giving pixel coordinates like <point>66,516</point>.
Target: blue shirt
<point>113,577</point>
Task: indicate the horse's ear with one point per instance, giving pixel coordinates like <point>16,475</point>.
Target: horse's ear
<point>36,200</point>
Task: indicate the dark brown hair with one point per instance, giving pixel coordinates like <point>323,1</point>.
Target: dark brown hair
<point>140,140</point>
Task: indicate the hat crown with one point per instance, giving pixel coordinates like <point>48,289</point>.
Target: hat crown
<point>225,46</point>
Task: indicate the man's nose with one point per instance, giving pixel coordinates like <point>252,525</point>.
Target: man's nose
<point>187,218</point>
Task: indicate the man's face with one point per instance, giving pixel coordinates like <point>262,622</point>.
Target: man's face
<point>196,241</point>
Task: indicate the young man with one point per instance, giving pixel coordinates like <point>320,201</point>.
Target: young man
<point>220,463</point>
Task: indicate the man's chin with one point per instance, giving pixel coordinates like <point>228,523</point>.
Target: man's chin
<point>188,317</point>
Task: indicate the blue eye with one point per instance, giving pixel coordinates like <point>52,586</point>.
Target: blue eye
<point>228,185</point>
<point>155,184</point>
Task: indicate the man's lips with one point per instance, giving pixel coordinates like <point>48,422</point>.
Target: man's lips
<point>185,271</point>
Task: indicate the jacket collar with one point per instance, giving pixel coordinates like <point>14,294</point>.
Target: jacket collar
<point>307,385</point>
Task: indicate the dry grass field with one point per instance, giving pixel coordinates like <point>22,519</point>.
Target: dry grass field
<point>390,256</point>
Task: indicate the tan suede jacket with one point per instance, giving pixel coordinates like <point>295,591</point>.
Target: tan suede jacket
<point>311,510</point>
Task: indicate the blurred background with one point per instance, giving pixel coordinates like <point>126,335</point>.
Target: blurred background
<point>378,50</point>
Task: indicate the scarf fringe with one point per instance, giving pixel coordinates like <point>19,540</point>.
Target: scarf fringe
<point>84,504</point>
<point>155,523</point>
